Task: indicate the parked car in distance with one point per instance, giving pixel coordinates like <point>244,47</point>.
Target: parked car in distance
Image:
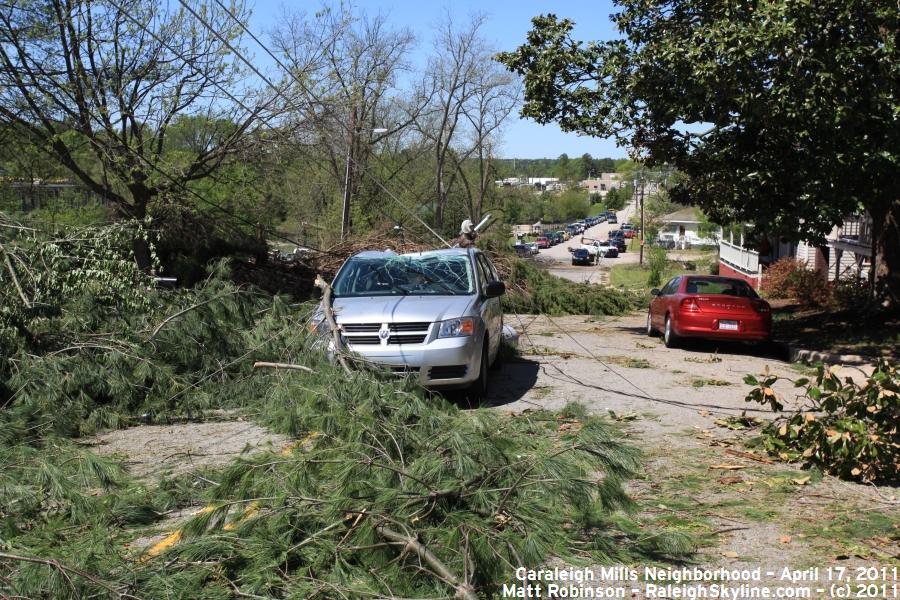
<point>564,235</point>
<point>435,315</point>
<point>581,256</point>
<point>522,250</point>
<point>533,247</point>
<point>612,218</point>
<point>543,242</point>
<point>711,307</point>
<point>607,250</point>
<point>619,242</point>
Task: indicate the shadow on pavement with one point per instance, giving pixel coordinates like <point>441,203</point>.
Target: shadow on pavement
<point>772,350</point>
<point>507,384</point>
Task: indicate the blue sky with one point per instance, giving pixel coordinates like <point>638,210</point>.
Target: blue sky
<point>507,23</point>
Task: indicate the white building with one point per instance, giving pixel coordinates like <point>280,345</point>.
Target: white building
<point>681,229</point>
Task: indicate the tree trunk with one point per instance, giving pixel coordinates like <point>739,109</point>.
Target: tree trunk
<point>439,209</point>
<point>886,246</point>
<point>141,198</point>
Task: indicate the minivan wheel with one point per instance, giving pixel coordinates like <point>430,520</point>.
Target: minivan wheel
<point>669,337</point>
<point>478,390</point>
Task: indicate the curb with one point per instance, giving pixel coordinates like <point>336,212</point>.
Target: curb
<point>796,354</point>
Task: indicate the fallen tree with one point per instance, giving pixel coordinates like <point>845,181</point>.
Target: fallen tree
<point>388,492</point>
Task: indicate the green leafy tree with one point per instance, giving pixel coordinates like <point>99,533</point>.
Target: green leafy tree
<point>793,106</point>
<point>98,86</point>
<point>563,167</point>
<point>586,166</point>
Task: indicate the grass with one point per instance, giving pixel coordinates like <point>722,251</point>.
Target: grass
<point>630,362</point>
<point>634,277</point>
<point>699,382</point>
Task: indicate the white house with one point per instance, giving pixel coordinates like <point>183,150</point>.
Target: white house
<point>846,254</point>
<point>681,229</point>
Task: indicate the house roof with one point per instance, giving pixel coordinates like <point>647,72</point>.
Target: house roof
<point>684,215</point>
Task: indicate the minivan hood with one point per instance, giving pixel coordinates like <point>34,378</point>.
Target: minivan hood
<point>398,309</point>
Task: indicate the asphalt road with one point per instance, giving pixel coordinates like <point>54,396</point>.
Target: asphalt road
<point>560,252</point>
<point>559,261</point>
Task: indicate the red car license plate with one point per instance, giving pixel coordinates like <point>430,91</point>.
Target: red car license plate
<point>728,325</point>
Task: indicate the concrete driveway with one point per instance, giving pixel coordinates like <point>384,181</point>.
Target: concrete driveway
<point>684,408</point>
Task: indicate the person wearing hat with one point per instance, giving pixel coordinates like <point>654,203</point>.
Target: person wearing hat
<point>467,235</point>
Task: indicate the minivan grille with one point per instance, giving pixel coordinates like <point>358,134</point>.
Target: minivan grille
<point>360,334</point>
<point>406,339</point>
<point>360,327</point>
<point>409,326</point>
<point>368,340</point>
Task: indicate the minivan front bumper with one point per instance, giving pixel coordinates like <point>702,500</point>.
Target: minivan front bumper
<point>440,362</point>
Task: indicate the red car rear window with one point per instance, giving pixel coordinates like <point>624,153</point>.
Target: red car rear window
<point>723,287</point>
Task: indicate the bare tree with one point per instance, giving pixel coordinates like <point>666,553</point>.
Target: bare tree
<point>496,95</point>
<point>99,84</point>
<point>471,97</point>
<point>348,67</point>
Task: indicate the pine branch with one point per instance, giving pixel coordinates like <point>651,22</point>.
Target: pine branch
<point>329,316</point>
<point>279,365</point>
<point>15,278</point>
<point>65,570</point>
<point>463,590</point>
<point>168,319</point>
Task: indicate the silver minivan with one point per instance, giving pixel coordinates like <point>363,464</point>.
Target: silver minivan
<point>435,315</point>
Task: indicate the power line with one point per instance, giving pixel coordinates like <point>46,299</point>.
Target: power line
<point>306,90</point>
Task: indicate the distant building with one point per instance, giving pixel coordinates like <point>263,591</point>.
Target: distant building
<point>45,194</point>
<point>511,182</point>
<point>602,185</point>
<point>681,229</point>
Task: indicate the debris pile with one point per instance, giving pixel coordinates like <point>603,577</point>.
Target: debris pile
<point>386,492</point>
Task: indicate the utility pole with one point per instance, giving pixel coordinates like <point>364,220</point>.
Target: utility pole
<point>345,210</point>
<point>348,173</point>
<point>641,255</point>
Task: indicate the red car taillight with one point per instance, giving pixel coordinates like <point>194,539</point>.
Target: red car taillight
<point>690,305</point>
<point>762,308</point>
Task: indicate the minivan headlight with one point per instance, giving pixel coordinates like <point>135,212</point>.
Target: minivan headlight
<point>318,324</point>
<point>457,327</point>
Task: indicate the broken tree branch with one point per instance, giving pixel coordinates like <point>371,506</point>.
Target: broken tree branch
<point>277,365</point>
<point>328,312</point>
<point>62,568</point>
<point>15,278</point>
<point>165,321</point>
<point>463,590</point>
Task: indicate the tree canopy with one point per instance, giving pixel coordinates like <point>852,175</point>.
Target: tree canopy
<point>783,114</point>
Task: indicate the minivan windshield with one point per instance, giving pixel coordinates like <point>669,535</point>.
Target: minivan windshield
<point>424,274</point>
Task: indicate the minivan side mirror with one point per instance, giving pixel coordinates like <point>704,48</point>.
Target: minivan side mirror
<point>494,289</point>
<point>654,292</point>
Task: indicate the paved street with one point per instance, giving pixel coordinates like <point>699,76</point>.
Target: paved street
<point>559,261</point>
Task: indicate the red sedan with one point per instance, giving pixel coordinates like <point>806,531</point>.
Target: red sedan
<point>711,307</point>
<point>543,242</point>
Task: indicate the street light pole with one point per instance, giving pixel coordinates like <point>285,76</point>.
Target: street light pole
<point>348,173</point>
<point>345,210</point>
